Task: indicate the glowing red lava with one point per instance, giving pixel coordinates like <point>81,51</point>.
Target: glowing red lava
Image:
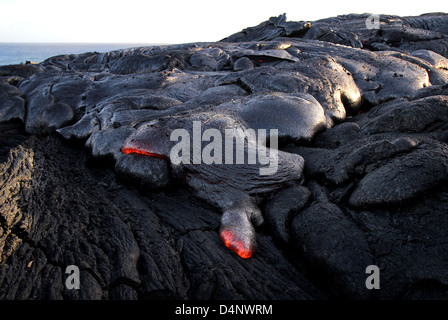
<point>236,246</point>
<point>142,152</point>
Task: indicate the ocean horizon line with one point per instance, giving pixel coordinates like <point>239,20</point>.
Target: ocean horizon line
<point>20,52</point>
<point>78,42</point>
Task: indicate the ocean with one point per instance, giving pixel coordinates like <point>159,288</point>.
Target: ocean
<point>15,53</point>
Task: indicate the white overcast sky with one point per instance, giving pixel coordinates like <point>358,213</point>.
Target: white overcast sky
<point>175,21</point>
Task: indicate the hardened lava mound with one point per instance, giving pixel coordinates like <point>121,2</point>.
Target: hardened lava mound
<point>360,113</point>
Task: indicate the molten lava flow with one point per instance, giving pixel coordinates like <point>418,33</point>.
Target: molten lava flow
<point>138,151</point>
<point>236,246</point>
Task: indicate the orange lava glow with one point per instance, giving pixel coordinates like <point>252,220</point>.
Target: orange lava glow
<point>138,151</point>
<point>236,246</point>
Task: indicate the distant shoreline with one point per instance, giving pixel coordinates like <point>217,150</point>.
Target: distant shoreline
<point>20,52</point>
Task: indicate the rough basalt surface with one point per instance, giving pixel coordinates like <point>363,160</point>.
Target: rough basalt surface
<point>362,124</point>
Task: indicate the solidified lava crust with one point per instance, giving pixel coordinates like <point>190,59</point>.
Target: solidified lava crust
<point>361,118</point>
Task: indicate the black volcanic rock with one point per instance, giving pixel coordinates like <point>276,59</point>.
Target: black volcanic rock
<point>12,105</point>
<point>362,119</point>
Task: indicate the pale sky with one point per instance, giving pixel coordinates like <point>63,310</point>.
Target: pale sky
<point>175,21</point>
